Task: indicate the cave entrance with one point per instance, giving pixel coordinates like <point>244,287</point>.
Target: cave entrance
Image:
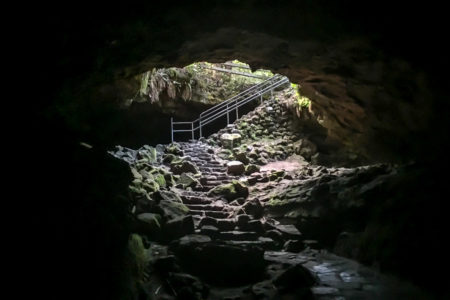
<point>201,98</point>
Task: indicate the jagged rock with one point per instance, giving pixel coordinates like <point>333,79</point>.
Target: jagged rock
<point>242,220</point>
<point>226,224</point>
<point>188,286</point>
<point>167,196</point>
<point>174,149</point>
<point>183,167</point>
<point>276,174</point>
<point>274,235</point>
<point>254,225</point>
<point>178,227</point>
<point>312,244</point>
<point>252,180</point>
<point>171,210</point>
<point>230,191</point>
<point>293,246</point>
<point>241,156</point>
<point>235,167</point>
<point>207,221</point>
<point>210,231</point>
<point>230,141</point>
<point>166,264</point>
<point>305,148</point>
<point>168,158</point>
<point>192,240</point>
<point>148,224</point>
<point>250,169</point>
<point>187,180</point>
<point>254,208</point>
<point>289,231</point>
<point>294,277</point>
<point>264,290</point>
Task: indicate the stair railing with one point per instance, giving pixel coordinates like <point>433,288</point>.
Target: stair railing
<point>227,106</point>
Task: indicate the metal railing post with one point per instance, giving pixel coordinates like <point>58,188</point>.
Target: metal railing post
<point>228,116</point>
<point>261,99</point>
<point>200,126</point>
<point>237,113</point>
<point>171,129</point>
<point>192,128</point>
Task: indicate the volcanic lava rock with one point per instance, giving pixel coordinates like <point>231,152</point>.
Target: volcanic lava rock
<point>221,263</point>
<point>178,227</point>
<point>230,141</point>
<point>178,168</point>
<point>294,277</point>
<point>235,167</point>
<point>230,191</point>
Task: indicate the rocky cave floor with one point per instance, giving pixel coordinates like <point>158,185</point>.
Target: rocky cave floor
<point>234,216</point>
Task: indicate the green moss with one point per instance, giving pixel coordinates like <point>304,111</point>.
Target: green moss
<point>160,180</point>
<point>150,186</point>
<point>138,256</point>
<point>179,206</point>
<point>302,101</point>
<point>276,202</point>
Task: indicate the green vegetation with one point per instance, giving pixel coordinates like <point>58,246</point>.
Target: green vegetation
<point>198,82</point>
<point>302,101</point>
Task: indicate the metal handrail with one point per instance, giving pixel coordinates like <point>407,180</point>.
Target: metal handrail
<point>276,77</point>
<point>231,104</point>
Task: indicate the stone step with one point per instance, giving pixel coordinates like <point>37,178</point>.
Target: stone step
<point>210,213</point>
<point>238,235</point>
<point>265,243</point>
<point>218,182</point>
<point>207,167</point>
<point>219,174</point>
<point>211,207</point>
<point>204,169</point>
<point>192,200</point>
<point>206,188</point>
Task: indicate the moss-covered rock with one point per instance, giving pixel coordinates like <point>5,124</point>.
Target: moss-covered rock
<point>230,191</point>
<point>250,169</point>
<point>183,167</point>
<point>186,180</point>
<point>174,149</point>
<point>230,140</point>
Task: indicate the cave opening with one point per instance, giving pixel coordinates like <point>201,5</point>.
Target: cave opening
<point>329,189</point>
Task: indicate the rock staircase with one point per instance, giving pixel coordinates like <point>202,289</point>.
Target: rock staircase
<point>214,216</point>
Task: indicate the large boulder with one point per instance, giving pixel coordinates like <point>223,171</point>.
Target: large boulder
<point>230,191</point>
<point>178,227</point>
<point>230,140</point>
<point>174,149</point>
<point>179,167</point>
<point>295,277</point>
<point>235,167</point>
<point>250,169</point>
<point>148,224</point>
<point>187,180</point>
